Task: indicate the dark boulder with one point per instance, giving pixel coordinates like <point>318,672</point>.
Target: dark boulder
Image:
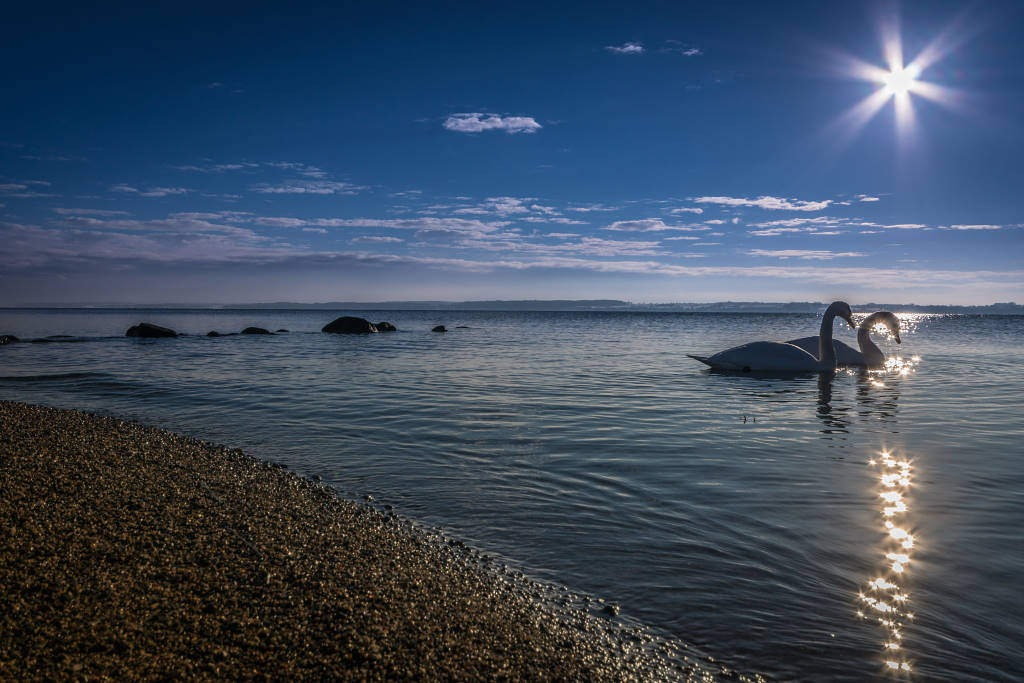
<point>256,330</point>
<point>8,339</point>
<point>215,333</point>
<point>347,324</point>
<point>385,327</point>
<point>282,330</point>
<point>440,328</point>
<point>149,330</point>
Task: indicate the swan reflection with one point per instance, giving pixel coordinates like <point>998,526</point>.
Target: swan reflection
<point>885,597</point>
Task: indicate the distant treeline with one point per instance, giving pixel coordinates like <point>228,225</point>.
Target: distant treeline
<point>1009,308</point>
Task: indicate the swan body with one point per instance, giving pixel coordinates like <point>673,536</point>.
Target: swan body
<point>767,356</point>
<point>869,355</point>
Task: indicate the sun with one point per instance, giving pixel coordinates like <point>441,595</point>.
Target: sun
<point>900,81</point>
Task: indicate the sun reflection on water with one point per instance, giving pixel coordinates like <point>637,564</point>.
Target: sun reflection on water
<point>885,598</point>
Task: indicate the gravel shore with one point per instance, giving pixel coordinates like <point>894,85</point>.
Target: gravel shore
<point>131,552</point>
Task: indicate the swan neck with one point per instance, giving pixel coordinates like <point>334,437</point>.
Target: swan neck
<point>826,352</point>
<point>871,352</point>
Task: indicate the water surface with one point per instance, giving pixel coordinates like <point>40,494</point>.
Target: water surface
<point>744,514</point>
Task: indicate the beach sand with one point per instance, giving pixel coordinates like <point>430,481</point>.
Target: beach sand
<point>132,552</point>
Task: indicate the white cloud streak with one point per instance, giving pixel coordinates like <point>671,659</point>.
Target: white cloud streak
<point>311,187</point>
<point>478,123</point>
<point>652,225</point>
<point>630,48</point>
<point>811,254</point>
<point>771,203</point>
<point>150,192</point>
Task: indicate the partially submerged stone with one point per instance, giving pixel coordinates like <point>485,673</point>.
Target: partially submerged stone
<point>348,324</point>
<point>256,330</point>
<point>384,326</point>
<point>149,330</point>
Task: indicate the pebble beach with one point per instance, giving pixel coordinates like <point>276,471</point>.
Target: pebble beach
<point>129,552</point>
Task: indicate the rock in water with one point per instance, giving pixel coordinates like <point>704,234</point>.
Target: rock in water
<point>149,330</point>
<point>440,328</point>
<point>256,330</point>
<point>385,327</point>
<point>282,330</point>
<point>8,339</point>
<point>347,324</point>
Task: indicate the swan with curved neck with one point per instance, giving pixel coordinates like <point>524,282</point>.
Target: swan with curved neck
<point>765,356</point>
<point>869,355</point>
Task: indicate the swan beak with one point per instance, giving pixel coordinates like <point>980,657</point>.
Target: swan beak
<point>849,321</point>
<point>898,339</point>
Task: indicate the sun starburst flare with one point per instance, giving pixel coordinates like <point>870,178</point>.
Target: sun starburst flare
<point>899,82</point>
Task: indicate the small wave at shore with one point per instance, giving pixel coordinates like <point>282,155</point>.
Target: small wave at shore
<point>53,376</point>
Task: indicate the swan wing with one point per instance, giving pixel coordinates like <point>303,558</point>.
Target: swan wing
<point>808,344</point>
<point>763,356</point>
<point>845,354</point>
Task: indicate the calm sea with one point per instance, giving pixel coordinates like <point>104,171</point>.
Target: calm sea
<point>801,527</point>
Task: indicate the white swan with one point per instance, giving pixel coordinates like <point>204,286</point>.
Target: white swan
<point>767,356</point>
<point>869,355</point>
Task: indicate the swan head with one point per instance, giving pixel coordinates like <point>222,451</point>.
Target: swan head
<point>842,310</point>
<point>891,322</point>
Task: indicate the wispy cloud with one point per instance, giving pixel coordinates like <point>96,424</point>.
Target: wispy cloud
<point>478,123</point>
<point>773,203</point>
<point>553,219</point>
<point>588,208</point>
<point>774,232</point>
<point>652,225</point>
<point>795,222</point>
<point>219,168</point>
<point>501,206</point>
<point>630,48</point>
<point>977,226</point>
<point>282,222</point>
<point>687,209</point>
<point>453,225</point>
<point>251,166</point>
<point>298,167</point>
<point>25,189</point>
<point>179,225</point>
<point>866,198</point>
<point>677,47</point>
<point>375,239</point>
<point>813,254</point>
<point>237,216</point>
<point>314,187</point>
<point>89,212</point>
<point>150,192</point>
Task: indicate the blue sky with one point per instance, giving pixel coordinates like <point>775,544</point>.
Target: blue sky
<point>209,153</point>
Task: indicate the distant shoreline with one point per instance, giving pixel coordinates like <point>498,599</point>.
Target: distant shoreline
<point>566,306</point>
